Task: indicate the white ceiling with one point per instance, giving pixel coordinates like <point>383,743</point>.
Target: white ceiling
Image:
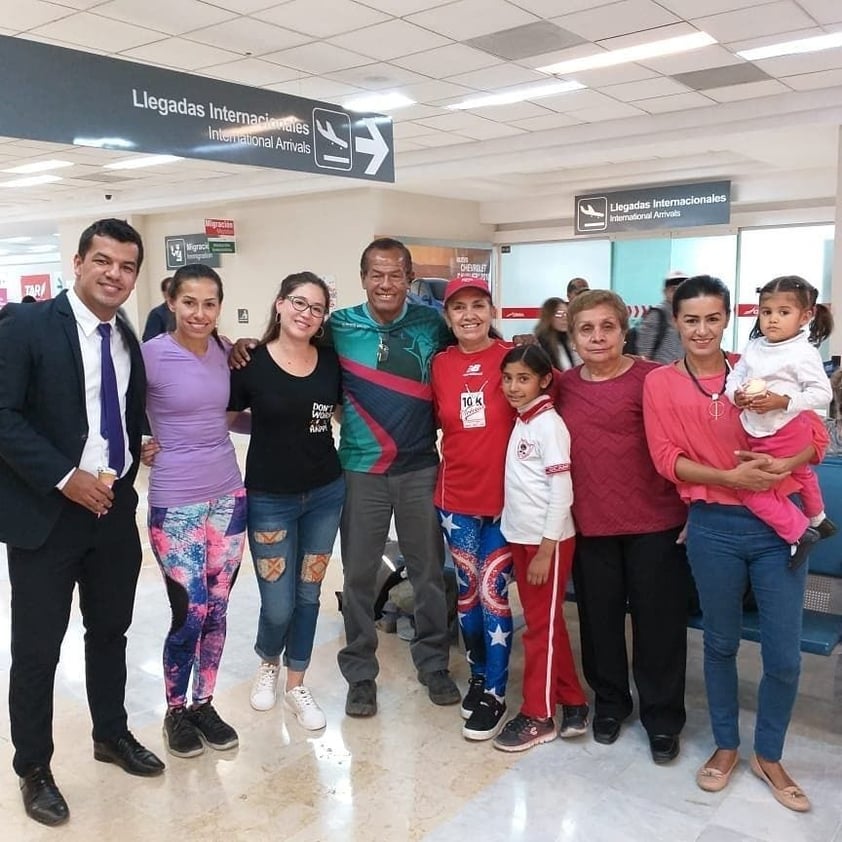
<point>634,123</point>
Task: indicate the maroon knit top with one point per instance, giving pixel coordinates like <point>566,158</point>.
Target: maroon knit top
<point>616,489</point>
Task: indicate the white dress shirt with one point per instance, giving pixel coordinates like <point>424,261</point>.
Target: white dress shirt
<point>95,452</point>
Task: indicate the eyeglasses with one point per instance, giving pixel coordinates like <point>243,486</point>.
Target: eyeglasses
<point>382,351</point>
<point>561,312</point>
<point>302,304</point>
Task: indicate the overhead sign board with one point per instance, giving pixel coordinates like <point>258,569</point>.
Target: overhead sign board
<point>66,96</point>
<point>219,227</point>
<point>222,246</point>
<point>654,208</point>
<point>182,249</point>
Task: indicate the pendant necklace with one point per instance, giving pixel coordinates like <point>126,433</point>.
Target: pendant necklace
<point>716,410</point>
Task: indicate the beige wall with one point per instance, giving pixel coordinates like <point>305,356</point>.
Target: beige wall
<point>324,233</point>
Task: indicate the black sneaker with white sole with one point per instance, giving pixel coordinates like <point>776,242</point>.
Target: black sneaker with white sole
<point>486,720</point>
<point>180,735</point>
<point>476,690</point>
<point>574,721</point>
<point>217,733</point>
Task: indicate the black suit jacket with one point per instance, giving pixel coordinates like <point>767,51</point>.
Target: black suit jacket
<point>43,422</point>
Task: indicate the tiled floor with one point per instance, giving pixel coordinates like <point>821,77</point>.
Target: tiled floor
<point>407,774</point>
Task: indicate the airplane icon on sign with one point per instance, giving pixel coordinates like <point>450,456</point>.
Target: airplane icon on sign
<point>587,210</point>
<point>591,214</point>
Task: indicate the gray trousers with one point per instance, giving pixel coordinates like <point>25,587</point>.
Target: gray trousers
<point>370,500</point>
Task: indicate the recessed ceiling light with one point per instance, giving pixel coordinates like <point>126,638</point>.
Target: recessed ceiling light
<point>379,102</point>
<point>517,95</point>
<point>40,166</point>
<point>30,181</point>
<point>139,163</point>
<point>640,52</point>
<point>791,48</point>
<point>40,249</point>
<point>15,240</point>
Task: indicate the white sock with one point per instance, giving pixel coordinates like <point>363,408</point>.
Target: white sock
<point>816,521</point>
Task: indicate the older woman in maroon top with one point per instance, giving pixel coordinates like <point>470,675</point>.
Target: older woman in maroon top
<point>628,519</point>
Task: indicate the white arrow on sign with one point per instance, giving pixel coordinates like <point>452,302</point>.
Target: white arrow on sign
<point>375,146</point>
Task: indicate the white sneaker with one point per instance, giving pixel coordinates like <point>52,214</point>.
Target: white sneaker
<point>264,690</point>
<point>301,702</point>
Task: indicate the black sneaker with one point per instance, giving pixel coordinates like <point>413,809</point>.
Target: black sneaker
<point>362,698</point>
<point>212,729</point>
<point>441,687</point>
<point>827,528</point>
<point>801,549</point>
<point>574,721</point>
<point>486,720</point>
<point>180,735</point>
<point>476,690</point>
<point>523,732</point>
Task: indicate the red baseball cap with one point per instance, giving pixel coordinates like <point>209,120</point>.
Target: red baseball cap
<point>458,284</point>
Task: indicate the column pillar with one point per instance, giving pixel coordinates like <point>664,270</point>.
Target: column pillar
<point>836,276</point>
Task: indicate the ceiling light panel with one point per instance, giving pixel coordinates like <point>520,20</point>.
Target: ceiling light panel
<point>531,92</point>
<point>640,52</point>
<point>790,48</point>
<point>39,166</point>
<point>140,163</point>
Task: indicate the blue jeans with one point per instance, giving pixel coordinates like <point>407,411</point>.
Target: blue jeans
<point>291,538</point>
<point>729,547</point>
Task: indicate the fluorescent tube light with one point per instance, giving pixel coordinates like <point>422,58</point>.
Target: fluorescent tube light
<point>517,95</point>
<point>30,181</point>
<point>138,163</point>
<point>379,102</point>
<point>791,48</point>
<point>39,166</point>
<point>640,52</point>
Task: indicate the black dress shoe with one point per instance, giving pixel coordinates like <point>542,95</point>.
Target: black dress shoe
<point>129,755</point>
<point>665,747</point>
<point>41,798</point>
<point>606,729</point>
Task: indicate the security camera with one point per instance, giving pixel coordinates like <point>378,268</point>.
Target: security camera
<point>109,197</point>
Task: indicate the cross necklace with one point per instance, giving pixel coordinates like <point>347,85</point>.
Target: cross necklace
<point>716,410</point>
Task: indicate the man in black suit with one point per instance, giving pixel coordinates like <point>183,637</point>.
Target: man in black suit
<point>72,390</point>
<point>160,318</point>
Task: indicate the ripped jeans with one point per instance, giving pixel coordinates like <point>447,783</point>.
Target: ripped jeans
<point>291,539</point>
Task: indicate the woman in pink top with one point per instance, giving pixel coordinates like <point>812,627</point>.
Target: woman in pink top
<point>627,521</point>
<point>696,441</point>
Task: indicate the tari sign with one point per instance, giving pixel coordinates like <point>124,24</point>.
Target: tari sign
<point>66,96</point>
<point>654,208</point>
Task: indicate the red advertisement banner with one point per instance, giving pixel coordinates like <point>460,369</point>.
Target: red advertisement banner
<point>38,286</point>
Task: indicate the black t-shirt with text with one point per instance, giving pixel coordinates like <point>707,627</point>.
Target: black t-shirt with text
<point>291,448</point>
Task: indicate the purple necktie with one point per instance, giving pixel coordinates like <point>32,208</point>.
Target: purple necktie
<point>110,423</point>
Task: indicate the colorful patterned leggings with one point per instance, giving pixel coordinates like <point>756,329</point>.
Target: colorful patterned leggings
<point>198,548</point>
<point>483,571</point>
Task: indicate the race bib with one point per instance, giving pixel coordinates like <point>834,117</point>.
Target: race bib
<point>472,411</point>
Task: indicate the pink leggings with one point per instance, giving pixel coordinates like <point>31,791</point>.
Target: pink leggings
<point>775,510</point>
<point>198,549</point>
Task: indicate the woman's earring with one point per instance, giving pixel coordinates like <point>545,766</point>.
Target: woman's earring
<point>320,332</point>
<point>277,317</point>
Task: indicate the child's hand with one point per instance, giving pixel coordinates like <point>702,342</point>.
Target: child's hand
<point>539,568</point>
<point>769,402</point>
<point>741,399</point>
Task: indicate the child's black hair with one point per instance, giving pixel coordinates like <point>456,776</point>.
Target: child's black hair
<point>807,297</point>
<point>534,357</point>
